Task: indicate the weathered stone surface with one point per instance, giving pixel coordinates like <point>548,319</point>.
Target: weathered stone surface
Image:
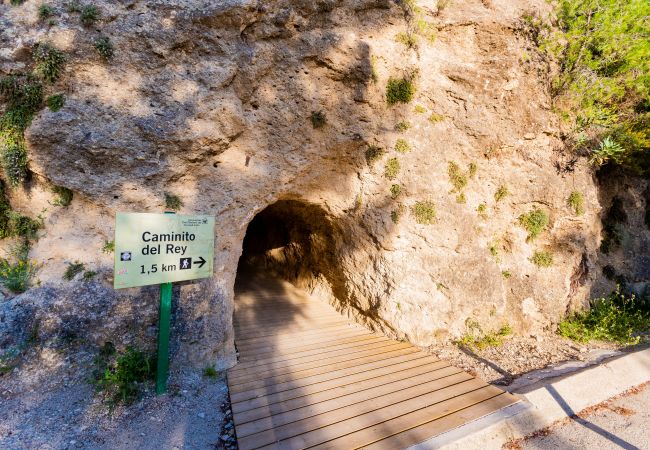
<point>212,101</point>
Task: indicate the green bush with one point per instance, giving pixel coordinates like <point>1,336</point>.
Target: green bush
<point>318,119</point>
<point>392,168</point>
<point>482,210</point>
<point>534,222</point>
<point>104,47</point>
<point>506,274</point>
<point>210,372</point>
<point>49,61</point>
<point>45,11</point>
<point>55,102</point>
<point>402,146</point>
<point>542,258</point>
<point>173,202</point>
<point>89,15</point>
<point>604,54</point>
<point>399,90</point>
<point>73,270</point>
<point>424,212</point>
<point>64,196</point>
<point>16,276</point>
<point>402,126</point>
<point>501,193</point>
<point>395,190</point>
<point>373,154</point>
<point>457,178</point>
<point>616,318</point>
<point>475,338</point>
<point>397,214</point>
<point>419,109</point>
<point>409,40</point>
<point>14,161</point>
<point>435,118</point>
<point>576,202</point>
<point>121,376</point>
<point>108,247</point>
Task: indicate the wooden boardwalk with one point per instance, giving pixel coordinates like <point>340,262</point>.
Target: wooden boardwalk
<point>309,378</point>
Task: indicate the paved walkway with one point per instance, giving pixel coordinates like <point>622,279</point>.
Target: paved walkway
<point>308,377</point>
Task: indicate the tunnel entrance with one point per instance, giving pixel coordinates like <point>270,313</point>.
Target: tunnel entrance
<point>292,240</point>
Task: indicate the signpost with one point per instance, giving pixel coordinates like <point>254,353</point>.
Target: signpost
<point>161,249</point>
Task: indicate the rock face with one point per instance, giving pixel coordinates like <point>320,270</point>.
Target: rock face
<point>212,101</point>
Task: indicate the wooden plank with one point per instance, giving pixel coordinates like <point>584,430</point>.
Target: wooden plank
<point>271,385</point>
<point>436,427</point>
<point>291,331</point>
<point>344,395</point>
<point>299,356</point>
<point>295,334</point>
<point>254,317</point>
<point>295,370</point>
<point>396,369</point>
<point>285,328</point>
<point>386,423</point>
<point>321,358</point>
<point>255,353</point>
<point>325,426</point>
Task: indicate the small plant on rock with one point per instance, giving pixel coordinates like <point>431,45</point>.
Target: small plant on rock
<point>402,146</point>
<point>373,154</point>
<point>173,202</point>
<point>435,118</point>
<point>482,210</point>
<point>397,214</point>
<point>55,102</point>
<point>420,109</point>
<point>210,372</point>
<point>73,270</point>
<point>501,193</point>
<point>318,119</point>
<point>108,247</point>
<point>104,47</point>
<point>392,168</point>
<point>576,202</point>
<point>542,258</point>
<point>400,90</point>
<point>122,376</point>
<point>395,191</point>
<point>49,61</point>
<point>534,222</point>
<point>424,212</point>
<point>89,15</point>
<point>457,178</point>
<point>45,11</point>
<point>64,196</point>
<point>16,276</point>
<point>409,40</point>
<point>402,126</point>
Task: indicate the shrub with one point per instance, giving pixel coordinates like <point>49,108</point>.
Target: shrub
<point>108,247</point>
<point>55,102</point>
<point>506,274</point>
<point>424,212</point>
<point>402,146</point>
<point>173,202</point>
<point>576,202</point>
<point>89,15</point>
<point>45,11</point>
<point>49,61</point>
<point>460,198</point>
<point>73,270</point>
<point>475,338</point>
<point>14,161</point>
<point>534,222</point>
<point>501,193</point>
<point>373,154</point>
<point>210,372</point>
<point>608,150</point>
<point>542,258</point>
<point>64,196</point>
<point>420,109</point>
<point>104,47</point>
<point>318,119</point>
<point>435,118</point>
<point>73,7</point>
<point>616,318</point>
<point>121,376</point>
<point>409,40</point>
<point>472,169</point>
<point>397,214</point>
<point>399,90</point>
<point>402,126</point>
<point>395,190</point>
<point>392,168</point>
<point>456,177</point>
<point>482,210</point>
<point>494,251</point>
<point>16,276</point>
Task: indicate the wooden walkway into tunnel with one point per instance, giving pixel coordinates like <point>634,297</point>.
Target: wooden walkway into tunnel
<point>309,378</point>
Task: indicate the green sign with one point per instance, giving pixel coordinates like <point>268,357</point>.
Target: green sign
<point>161,248</point>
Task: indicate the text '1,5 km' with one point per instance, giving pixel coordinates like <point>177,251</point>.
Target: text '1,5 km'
<point>162,248</point>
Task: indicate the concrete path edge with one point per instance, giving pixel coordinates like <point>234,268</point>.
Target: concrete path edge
<point>547,403</point>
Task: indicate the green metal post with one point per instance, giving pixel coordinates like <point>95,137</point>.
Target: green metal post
<point>164,322</point>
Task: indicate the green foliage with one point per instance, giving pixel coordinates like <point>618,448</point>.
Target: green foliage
<point>616,318</point>
<point>424,212</point>
<point>506,274</point>
<point>16,2</point>
<point>49,61</point>
<point>457,177</point>
<point>461,198</point>
<point>534,222</point>
<point>494,251</point>
<point>576,202</point>
<point>89,274</point>
<point>420,109</point>
<point>402,126</point>
<point>104,47</point>
<point>45,11</point>
<point>55,102</point>
<point>482,210</point>
<point>400,90</point>
<point>14,161</point>
<point>210,372</point>
<point>64,196</point>
<point>409,40</point>
<point>402,146</point>
<point>121,376</point>
<point>477,339</point>
<point>397,214</point>
<point>73,7</point>
<point>374,154</point>
<point>173,202</point>
<point>542,258</point>
<point>604,51</point>
<point>15,224</point>
<point>16,276</point>
<point>392,168</point>
<point>501,193</point>
<point>395,191</point>
<point>435,118</point>
<point>318,119</point>
<point>108,247</point>
<point>73,270</point>
<point>89,15</point>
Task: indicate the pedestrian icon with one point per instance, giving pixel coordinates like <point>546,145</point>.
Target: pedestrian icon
<point>186,263</point>
<point>125,256</point>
